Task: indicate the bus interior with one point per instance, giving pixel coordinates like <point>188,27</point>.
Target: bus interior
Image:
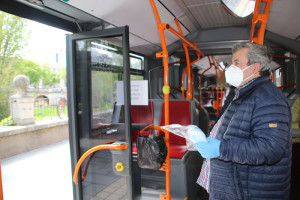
<point>135,66</point>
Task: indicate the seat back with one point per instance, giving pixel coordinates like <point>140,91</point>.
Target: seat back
<point>179,113</point>
<point>141,114</point>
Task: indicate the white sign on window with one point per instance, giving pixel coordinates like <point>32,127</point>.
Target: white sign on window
<point>139,92</point>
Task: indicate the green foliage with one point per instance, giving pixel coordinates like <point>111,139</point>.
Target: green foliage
<point>4,109</point>
<point>49,78</point>
<point>13,38</point>
<point>63,74</point>
<point>103,89</point>
<point>7,121</point>
<point>28,68</point>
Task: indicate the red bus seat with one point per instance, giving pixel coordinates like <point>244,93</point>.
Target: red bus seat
<point>141,114</point>
<point>179,113</point>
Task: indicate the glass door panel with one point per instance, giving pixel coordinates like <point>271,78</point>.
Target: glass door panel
<point>96,66</point>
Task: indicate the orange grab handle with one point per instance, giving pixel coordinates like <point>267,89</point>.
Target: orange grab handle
<point>91,156</point>
<point>262,18</point>
<point>92,150</point>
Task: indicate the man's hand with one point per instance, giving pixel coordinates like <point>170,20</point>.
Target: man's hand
<point>209,149</point>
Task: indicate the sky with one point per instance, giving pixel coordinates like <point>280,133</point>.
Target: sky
<point>44,43</point>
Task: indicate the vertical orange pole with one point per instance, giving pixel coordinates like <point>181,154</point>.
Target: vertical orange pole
<point>182,82</point>
<point>188,63</point>
<point>272,76</point>
<point>210,65</point>
<point>198,58</point>
<point>183,74</point>
<point>220,85</point>
<point>166,91</point>
<point>1,188</point>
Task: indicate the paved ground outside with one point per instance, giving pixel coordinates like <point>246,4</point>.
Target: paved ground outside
<point>41,174</point>
<point>45,174</point>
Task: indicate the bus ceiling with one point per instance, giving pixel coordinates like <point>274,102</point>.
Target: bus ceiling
<point>210,25</point>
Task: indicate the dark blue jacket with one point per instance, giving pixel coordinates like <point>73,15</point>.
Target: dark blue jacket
<point>255,150</point>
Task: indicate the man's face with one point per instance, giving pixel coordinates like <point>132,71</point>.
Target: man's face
<point>240,59</point>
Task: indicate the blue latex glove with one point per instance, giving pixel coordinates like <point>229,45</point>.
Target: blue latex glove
<point>209,149</point>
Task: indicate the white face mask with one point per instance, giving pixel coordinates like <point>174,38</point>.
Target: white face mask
<point>235,76</point>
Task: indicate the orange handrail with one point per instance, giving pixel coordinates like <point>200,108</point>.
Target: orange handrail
<point>92,150</point>
<point>283,57</point>
<point>180,61</point>
<point>169,28</point>
<point>91,155</point>
<point>210,66</point>
<point>219,85</point>
<point>216,102</point>
<point>262,18</point>
<point>272,76</point>
<point>182,78</point>
<point>176,88</point>
<point>183,74</point>
<point>166,91</point>
<point>186,44</point>
<point>222,74</point>
<point>197,59</point>
<point>188,63</point>
<point>282,86</point>
<point>182,82</point>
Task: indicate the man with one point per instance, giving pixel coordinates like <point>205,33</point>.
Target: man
<point>249,149</point>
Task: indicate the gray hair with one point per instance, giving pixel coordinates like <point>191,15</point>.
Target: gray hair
<point>257,54</point>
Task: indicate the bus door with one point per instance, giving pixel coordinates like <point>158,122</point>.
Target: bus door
<point>98,69</point>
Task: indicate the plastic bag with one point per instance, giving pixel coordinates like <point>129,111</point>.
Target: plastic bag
<point>151,151</point>
<point>191,133</point>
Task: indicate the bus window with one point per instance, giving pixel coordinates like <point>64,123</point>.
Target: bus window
<point>136,67</point>
<point>136,62</point>
<point>277,77</point>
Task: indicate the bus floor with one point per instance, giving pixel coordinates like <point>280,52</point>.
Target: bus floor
<point>45,173</point>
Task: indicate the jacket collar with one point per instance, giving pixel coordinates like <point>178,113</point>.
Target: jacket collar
<point>245,90</point>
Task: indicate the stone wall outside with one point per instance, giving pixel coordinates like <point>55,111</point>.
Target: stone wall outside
<point>19,139</point>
